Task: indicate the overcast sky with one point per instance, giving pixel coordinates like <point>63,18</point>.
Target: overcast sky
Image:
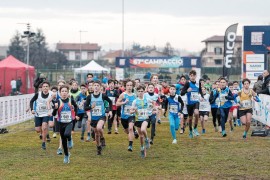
<point>183,23</point>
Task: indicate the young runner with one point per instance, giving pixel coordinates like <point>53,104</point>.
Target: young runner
<point>214,102</point>
<point>234,108</point>
<point>204,108</point>
<point>157,89</point>
<point>74,92</point>
<point>192,91</point>
<point>127,119</point>
<point>42,111</point>
<point>152,98</point>
<point>245,110</point>
<point>95,103</point>
<point>140,106</point>
<point>66,110</point>
<point>175,105</point>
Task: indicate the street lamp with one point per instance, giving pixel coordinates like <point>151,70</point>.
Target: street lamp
<point>28,34</point>
<point>81,47</point>
<point>123,26</point>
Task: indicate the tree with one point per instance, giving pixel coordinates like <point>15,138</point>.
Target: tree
<point>16,47</point>
<point>168,49</point>
<point>56,57</point>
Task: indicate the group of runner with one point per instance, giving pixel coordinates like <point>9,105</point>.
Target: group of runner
<point>136,107</point>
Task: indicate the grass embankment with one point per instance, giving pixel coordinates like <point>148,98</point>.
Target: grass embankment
<point>205,157</point>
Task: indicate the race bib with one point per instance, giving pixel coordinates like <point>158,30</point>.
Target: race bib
<point>142,114</point>
<point>113,100</point>
<point>194,96</point>
<point>173,108</point>
<point>204,106</point>
<point>246,104</point>
<point>81,105</point>
<point>97,111</point>
<point>42,108</point>
<point>222,99</point>
<point>66,116</point>
<point>127,110</point>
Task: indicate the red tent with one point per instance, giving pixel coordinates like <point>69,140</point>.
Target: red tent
<point>13,68</point>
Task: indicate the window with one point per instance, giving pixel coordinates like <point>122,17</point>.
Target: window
<point>218,51</point>
<point>218,61</point>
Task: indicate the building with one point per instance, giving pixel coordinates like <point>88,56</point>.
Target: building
<point>212,55</point>
<point>72,51</point>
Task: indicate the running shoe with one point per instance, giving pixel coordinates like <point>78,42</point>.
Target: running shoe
<point>219,129</point>
<point>130,148</point>
<point>224,133</point>
<point>99,149</point>
<point>143,152</point>
<point>244,135</point>
<point>234,123</point>
<point>88,138</point>
<point>54,135</point>
<point>48,138</point>
<point>203,131</point>
<point>190,134</point>
<point>216,129</point>
<point>181,131</point>
<point>59,151</point>
<point>231,129</point>
<point>136,134</point>
<point>109,131</point>
<point>66,159</point>
<point>116,132</point>
<point>70,143</point>
<point>82,139</point>
<point>147,144</point>
<point>151,141</point>
<point>174,141</point>
<point>102,141</point>
<point>159,121</point>
<point>195,131</point>
<point>43,145</point>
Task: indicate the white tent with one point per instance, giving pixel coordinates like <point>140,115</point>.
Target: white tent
<point>92,67</point>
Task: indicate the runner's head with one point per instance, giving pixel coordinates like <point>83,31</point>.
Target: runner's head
<point>45,87</point>
<point>54,89</point>
<point>64,90</point>
<point>151,88</point>
<point>230,85</point>
<point>246,83</point>
<point>223,82</point>
<point>111,84</point>
<point>83,88</point>
<point>183,80</point>
<point>192,75</point>
<point>204,90</point>
<point>97,86</point>
<point>172,90</point>
<point>90,86</point>
<point>140,91</point>
<point>154,79</point>
<point>74,85</point>
<point>129,84</point>
<point>137,82</point>
<point>235,84</point>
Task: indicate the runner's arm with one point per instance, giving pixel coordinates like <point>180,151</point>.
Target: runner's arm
<point>87,106</point>
<point>181,102</point>
<point>106,98</point>
<point>33,100</point>
<point>184,89</point>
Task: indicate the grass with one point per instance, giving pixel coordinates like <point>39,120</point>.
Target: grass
<point>206,157</point>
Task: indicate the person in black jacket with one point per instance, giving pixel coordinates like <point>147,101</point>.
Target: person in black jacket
<point>265,89</point>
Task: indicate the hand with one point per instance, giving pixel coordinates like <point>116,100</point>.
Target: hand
<point>77,118</point>
<point>189,89</point>
<point>33,111</point>
<point>28,109</point>
<point>93,105</point>
<point>126,101</point>
<point>110,114</point>
<point>56,105</point>
<point>49,114</point>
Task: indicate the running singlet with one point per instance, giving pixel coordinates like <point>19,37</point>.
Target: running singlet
<point>217,101</point>
<point>125,109</point>
<point>80,103</point>
<point>41,109</point>
<point>224,103</point>
<point>193,96</point>
<point>204,103</point>
<point>111,94</point>
<point>99,110</point>
<point>65,112</point>
<point>142,111</point>
<point>151,101</point>
<point>174,105</point>
<point>245,100</point>
<point>184,99</point>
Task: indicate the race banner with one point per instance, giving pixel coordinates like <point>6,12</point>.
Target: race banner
<point>229,42</point>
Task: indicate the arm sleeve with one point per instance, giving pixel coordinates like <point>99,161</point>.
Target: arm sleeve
<point>185,88</point>
<point>87,106</point>
<point>230,96</point>
<point>181,102</point>
<point>33,100</point>
<point>74,105</point>
<point>55,109</point>
<point>106,98</point>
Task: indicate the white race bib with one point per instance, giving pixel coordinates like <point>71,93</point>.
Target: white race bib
<point>194,96</point>
<point>97,111</point>
<point>204,106</point>
<point>66,116</point>
<point>142,114</point>
<point>173,108</point>
<point>246,104</point>
<point>127,110</point>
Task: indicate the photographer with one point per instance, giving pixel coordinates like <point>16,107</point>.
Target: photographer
<point>40,79</point>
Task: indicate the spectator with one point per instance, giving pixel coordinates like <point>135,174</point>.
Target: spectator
<point>258,85</point>
<point>265,84</point>
<point>89,77</point>
<point>40,79</point>
<point>13,86</point>
<point>19,84</point>
<point>160,77</point>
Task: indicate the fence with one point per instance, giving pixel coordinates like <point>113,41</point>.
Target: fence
<point>13,109</point>
<point>261,110</point>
